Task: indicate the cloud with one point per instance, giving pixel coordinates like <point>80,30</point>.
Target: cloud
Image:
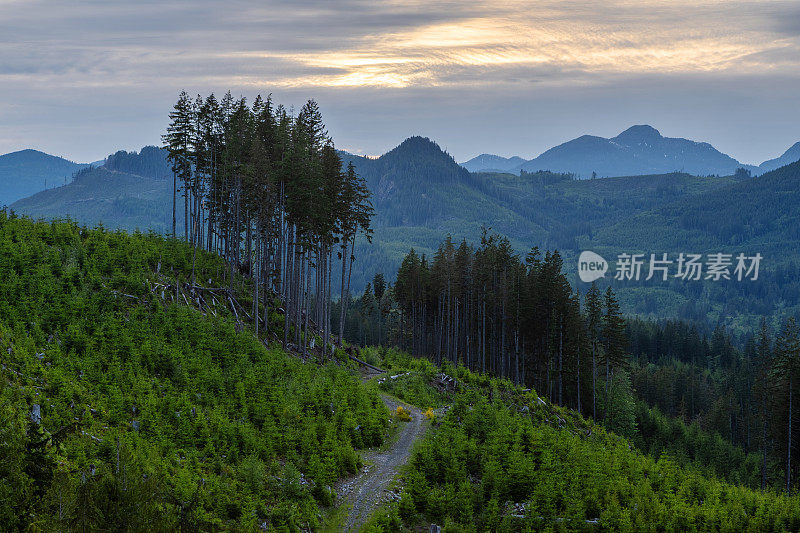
<point>85,54</point>
<point>392,44</point>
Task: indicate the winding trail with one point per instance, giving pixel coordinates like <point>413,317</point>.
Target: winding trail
<point>365,492</point>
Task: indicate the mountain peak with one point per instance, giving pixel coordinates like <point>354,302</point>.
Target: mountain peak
<point>417,142</point>
<point>640,132</point>
<point>418,146</point>
<point>492,163</point>
<point>793,151</point>
<point>30,154</point>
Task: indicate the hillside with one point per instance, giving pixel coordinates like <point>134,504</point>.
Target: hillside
<point>27,172</point>
<point>121,410</point>
<point>753,216</point>
<point>420,193</point>
<point>756,212</point>
<point>663,213</point>
<point>125,408</point>
<point>502,458</point>
<point>130,191</point>
<point>789,156</point>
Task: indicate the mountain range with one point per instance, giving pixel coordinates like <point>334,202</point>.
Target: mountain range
<point>29,171</point>
<point>636,151</point>
<point>129,191</point>
<point>421,194</point>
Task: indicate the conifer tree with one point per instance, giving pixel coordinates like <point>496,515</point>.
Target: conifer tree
<point>594,311</point>
<point>178,142</point>
<point>613,333</point>
<point>787,364</point>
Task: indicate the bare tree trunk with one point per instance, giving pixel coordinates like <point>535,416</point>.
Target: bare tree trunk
<point>174,200</point>
<point>483,338</point>
<point>764,440</point>
<point>349,275</point>
<point>579,376</point>
<point>286,307</point>
<point>185,212</point>
<point>329,262</point>
<point>789,447</point>
<point>195,235</point>
<point>594,383</point>
<point>344,297</point>
<point>255,271</point>
<point>560,361</point>
<point>306,329</point>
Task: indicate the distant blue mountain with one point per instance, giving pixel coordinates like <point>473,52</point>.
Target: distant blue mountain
<point>492,163</point>
<point>638,150</point>
<point>27,172</point>
<point>789,156</point>
<point>130,190</point>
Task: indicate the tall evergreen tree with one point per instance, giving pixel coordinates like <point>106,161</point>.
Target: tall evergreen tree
<point>178,142</point>
<point>787,354</point>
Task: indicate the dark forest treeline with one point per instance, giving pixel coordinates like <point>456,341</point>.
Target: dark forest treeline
<point>150,161</point>
<point>492,311</point>
<point>748,395</point>
<point>265,189</point>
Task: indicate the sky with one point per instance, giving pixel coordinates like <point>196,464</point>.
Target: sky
<point>85,78</point>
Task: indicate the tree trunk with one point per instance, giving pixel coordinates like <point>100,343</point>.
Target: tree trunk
<point>342,300</point>
<point>174,201</point>
<point>594,383</point>
<point>255,271</point>
<point>789,447</point>
<point>560,361</point>
<point>764,440</point>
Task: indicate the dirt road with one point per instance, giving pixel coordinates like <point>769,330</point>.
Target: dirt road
<point>365,492</point>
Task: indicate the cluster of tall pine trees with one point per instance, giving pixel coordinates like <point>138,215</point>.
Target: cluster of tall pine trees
<point>492,311</point>
<point>264,188</point>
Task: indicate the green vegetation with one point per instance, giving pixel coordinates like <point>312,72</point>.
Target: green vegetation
<point>416,381</point>
<point>156,416</point>
<point>505,460</point>
<point>488,310</point>
<point>690,446</point>
<point>420,194</point>
<point>117,200</point>
<point>121,410</point>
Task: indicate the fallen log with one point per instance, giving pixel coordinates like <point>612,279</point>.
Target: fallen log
<point>360,362</point>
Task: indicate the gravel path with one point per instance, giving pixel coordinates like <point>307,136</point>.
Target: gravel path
<point>366,491</point>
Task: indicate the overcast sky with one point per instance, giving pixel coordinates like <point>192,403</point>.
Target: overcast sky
<point>84,78</point>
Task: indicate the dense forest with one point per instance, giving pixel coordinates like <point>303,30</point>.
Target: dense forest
<point>491,311</point>
<point>150,161</point>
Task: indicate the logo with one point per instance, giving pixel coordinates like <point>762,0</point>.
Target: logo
<point>591,266</point>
